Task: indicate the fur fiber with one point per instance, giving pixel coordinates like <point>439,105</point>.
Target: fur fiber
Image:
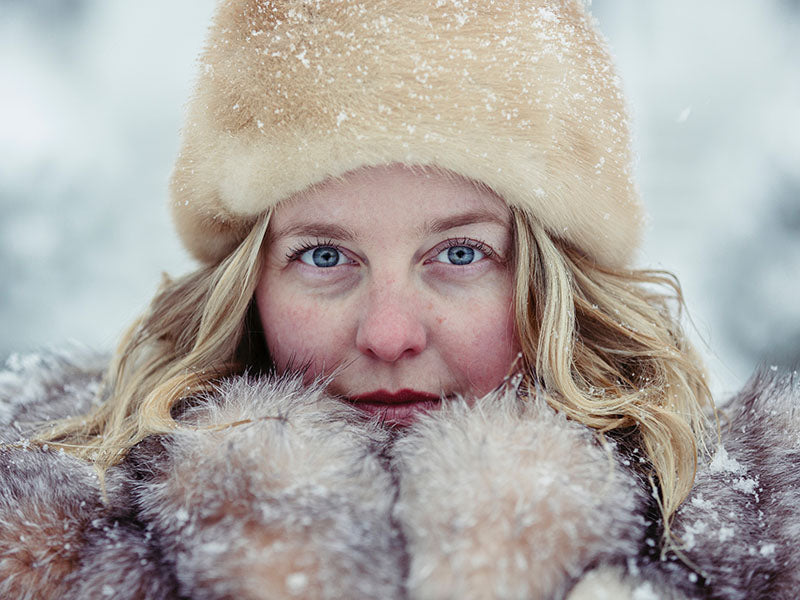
<point>495,499</point>
<point>273,490</point>
<point>740,526</point>
<point>520,96</point>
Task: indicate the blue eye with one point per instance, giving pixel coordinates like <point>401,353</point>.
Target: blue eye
<point>460,255</point>
<point>323,257</point>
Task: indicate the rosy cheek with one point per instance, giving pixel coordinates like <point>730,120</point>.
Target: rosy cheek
<point>489,348</point>
<point>304,335</point>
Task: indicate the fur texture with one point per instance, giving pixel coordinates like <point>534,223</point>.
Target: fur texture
<point>740,526</point>
<point>273,490</point>
<point>293,503</point>
<point>521,96</point>
<point>496,501</point>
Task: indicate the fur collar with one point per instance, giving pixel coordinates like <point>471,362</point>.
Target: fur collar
<point>274,490</point>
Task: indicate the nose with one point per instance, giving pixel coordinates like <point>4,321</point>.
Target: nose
<point>391,325</point>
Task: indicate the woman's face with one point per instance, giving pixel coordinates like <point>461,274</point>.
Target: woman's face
<point>397,280</point>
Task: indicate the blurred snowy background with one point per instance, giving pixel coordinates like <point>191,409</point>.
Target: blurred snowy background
<point>91,97</point>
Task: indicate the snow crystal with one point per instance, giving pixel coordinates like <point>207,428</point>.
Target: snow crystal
<point>746,485</point>
<point>181,515</point>
<point>302,58</point>
<point>107,590</point>
<point>696,528</point>
<point>722,463</point>
<point>767,550</point>
<point>547,14</point>
<point>684,116</point>
<point>296,583</point>
<point>725,534</point>
<point>598,167</point>
<point>644,592</point>
<point>701,502</point>
<point>341,117</point>
<point>23,362</point>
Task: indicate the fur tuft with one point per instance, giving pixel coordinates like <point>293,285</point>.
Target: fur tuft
<point>38,387</point>
<point>739,528</point>
<point>507,499</point>
<point>47,503</point>
<point>59,541</point>
<point>291,500</point>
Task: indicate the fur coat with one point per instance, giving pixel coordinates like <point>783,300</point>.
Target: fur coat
<point>273,490</point>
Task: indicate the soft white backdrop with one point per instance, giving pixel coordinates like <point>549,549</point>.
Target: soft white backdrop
<point>91,97</point>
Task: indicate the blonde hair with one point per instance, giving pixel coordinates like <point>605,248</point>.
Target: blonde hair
<point>604,346</point>
<point>611,354</point>
<point>190,337</point>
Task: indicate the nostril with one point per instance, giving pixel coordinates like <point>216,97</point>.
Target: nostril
<point>389,335</point>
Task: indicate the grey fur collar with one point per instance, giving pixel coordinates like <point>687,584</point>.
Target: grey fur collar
<point>276,491</point>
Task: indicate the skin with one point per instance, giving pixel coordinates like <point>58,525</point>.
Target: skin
<point>393,312</point>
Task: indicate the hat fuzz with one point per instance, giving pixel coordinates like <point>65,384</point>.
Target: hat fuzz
<point>520,96</point>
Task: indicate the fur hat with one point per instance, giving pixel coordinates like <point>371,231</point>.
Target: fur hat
<point>520,96</point>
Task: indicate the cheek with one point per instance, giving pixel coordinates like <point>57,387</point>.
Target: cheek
<point>481,343</point>
<point>301,332</point>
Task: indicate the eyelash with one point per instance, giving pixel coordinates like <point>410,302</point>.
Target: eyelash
<point>475,244</point>
<point>295,252</point>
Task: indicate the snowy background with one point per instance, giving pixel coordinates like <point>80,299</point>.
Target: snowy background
<point>91,98</point>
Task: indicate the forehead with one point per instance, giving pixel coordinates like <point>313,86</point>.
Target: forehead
<point>394,194</point>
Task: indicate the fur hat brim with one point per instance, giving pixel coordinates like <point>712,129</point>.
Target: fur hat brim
<point>519,96</point>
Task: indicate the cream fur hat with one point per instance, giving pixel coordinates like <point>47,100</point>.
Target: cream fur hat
<point>519,95</point>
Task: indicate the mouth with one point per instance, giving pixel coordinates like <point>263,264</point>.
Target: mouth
<point>396,408</point>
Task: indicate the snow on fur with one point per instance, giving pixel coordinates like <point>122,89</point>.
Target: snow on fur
<point>741,524</point>
<point>58,540</point>
<point>613,583</point>
<point>507,499</point>
<point>274,490</point>
<point>293,503</point>
<point>521,96</point>
<point>38,387</point>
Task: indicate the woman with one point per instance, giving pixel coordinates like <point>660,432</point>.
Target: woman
<point>416,361</point>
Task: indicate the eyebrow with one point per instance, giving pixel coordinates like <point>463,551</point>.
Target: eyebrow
<point>341,233</point>
<point>468,218</point>
<point>320,230</point>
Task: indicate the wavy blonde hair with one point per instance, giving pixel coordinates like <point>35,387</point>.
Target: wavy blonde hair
<point>193,334</point>
<point>605,345</point>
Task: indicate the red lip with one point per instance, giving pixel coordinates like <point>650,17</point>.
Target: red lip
<point>399,408</point>
<point>399,397</point>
